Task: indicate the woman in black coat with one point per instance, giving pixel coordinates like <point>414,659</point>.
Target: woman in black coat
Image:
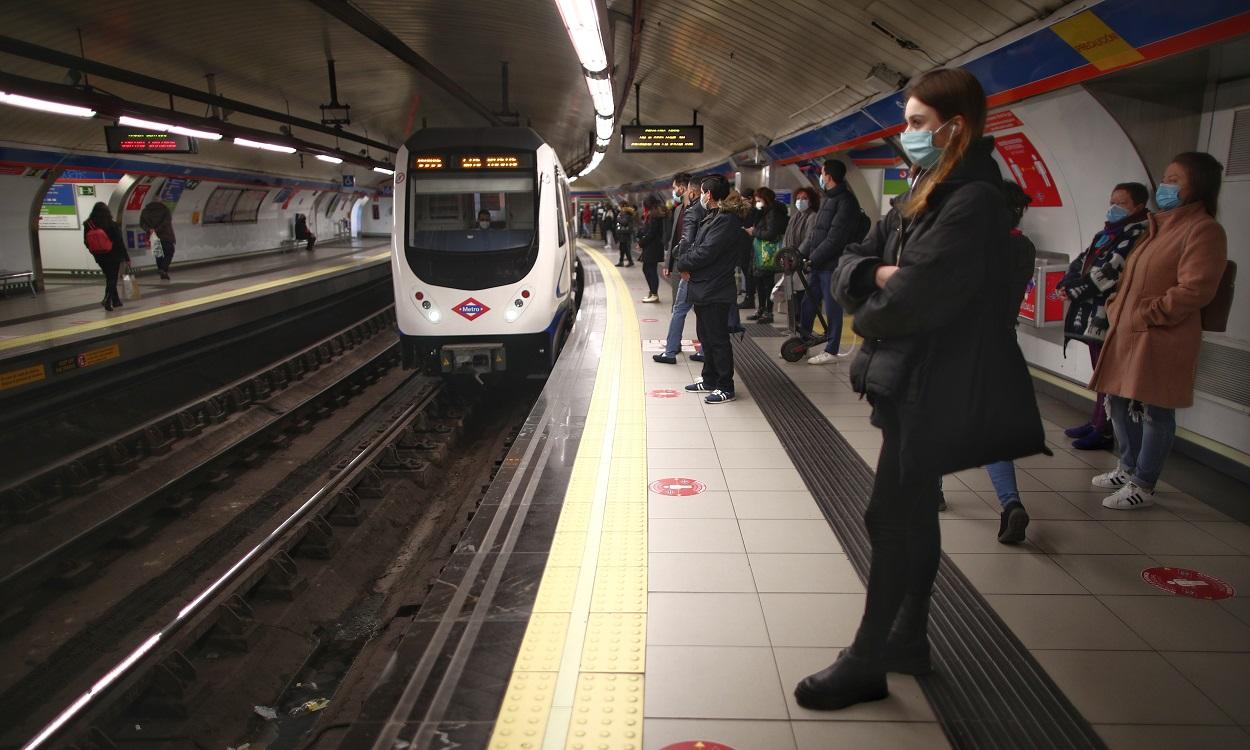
<point>111,259</point>
<point>651,240</point>
<point>770,226</point>
<point>927,289</point>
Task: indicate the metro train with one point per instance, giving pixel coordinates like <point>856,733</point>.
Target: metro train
<point>484,262</point>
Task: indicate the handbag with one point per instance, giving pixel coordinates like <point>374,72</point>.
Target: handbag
<point>130,283</point>
<point>766,255</point>
<point>98,241</point>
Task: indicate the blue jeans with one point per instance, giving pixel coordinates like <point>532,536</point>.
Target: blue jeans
<point>1143,438</point>
<point>820,284</point>
<point>1003,477</point>
<point>677,324</point>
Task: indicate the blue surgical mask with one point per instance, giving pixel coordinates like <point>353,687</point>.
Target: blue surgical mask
<point>1116,213</point>
<point>801,204</point>
<point>1168,196</point>
<point>919,146</point>
<point>703,202</point>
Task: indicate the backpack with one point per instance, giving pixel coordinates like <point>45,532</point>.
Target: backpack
<point>862,228</point>
<point>98,241</point>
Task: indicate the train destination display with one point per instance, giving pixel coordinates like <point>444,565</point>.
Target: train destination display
<point>670,139</point>
<point>126,140</point>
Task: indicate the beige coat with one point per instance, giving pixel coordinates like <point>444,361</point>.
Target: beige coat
<point>1151,351</point>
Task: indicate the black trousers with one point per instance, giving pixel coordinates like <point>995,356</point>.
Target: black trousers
<point>651,272</point>
<point>626,252</point>
<point>902,521</point>
<point>764,289</point>
<point>162,263</point>
<point>111,269</point>
<point>712,328</point>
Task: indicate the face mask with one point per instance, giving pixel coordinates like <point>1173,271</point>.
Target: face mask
<point>703,202</point>
<point>801,204</point>
<point>919,146</point>
<point>820,180</point>
<point>1116,213</point>
<point>759,205</point>
<point>484,224</point>
<point>1168,196</point>
<point>677,196</point>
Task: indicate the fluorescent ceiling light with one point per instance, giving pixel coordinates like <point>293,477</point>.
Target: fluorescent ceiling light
<point>603,128</point>
<point>161,127</point>
<point>43,105</point>
<point>383,170</point>
<point>601,144</point>
<point>581,19</point>
<point>331,159</point>
<point>601,92</point>
<point>595,160</point>
<point>572,179</point>
<point>265,146</point>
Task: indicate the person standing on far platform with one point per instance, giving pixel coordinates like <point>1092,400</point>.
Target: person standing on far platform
<point>708,268</point>
<point>156,218</point>
<point>940,365</point>
<point>104,239</point>
<point>1150,359</point>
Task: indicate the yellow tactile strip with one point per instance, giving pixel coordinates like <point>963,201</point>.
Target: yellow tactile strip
<point>577,682</point>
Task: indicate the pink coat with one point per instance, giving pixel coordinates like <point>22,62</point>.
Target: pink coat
<point>1151,351</point>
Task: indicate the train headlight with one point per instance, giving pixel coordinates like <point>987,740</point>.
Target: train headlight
<point>521,300</point>
<point>427,306</point>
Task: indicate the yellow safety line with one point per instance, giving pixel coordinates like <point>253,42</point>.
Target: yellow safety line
<point>1216,447</point>
<point>578,679</point>
<point>117,320</point>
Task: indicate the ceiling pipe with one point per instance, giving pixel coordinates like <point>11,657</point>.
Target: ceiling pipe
<point>72,62</point>
<point>111,107</point>
<point>378,34</point>
<point>635,52</point>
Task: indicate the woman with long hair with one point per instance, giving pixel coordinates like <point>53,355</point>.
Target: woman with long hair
<point>1150,358</point>
<point>948,385</point>
<point>651,240</point>
<point>109,253</point>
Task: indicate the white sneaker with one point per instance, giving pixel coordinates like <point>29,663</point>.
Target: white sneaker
<point>823,358</point>
<point>651,298</point>
<point>1130,497</point>
<point>1112,480</point>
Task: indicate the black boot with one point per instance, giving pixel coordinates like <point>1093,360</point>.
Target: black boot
<point>907,647</point>
<point>1012,523</point>
<point>849,680</point>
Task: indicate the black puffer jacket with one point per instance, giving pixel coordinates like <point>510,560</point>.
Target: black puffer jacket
<point>836,224</point>
<point>651,238</point>
<point>712,258</point>
<point>772,223</point>
<point>156,216</point>
<point>938,339</point>
<point>691,217</point>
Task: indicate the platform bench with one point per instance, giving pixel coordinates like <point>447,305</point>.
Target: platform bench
<point>17,278</point>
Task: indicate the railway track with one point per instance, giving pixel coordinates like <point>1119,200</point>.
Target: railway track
<point>207,555</point>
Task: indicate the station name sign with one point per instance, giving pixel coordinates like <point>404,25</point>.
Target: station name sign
<point>668,139</point>
<point>125,140</point>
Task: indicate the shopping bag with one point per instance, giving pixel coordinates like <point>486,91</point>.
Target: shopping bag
<point>779,294</point>
<point>130,283</point>
<point>158,250</point>
<point>766,255</point>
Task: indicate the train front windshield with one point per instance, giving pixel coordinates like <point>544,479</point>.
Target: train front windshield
<point>472,220</point>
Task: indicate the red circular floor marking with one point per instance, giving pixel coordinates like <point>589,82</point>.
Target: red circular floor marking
<point>677,486</point>
<point>1185,582</point>
<point>650,320</point>
<point>697,745</point>
<point>663,393</point>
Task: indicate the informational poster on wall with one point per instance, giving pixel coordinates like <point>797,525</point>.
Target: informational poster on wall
<point>60,208</point>
<point>135,202</point>
<point>1028,169</point>
<point>171,192</point>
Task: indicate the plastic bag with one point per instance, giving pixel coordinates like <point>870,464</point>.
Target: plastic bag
<point>130,284</point>
<point>158,250</point>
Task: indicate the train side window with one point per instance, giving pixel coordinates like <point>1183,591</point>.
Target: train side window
<point>561,237</point>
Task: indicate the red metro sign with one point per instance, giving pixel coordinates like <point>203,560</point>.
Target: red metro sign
<point>471,309</point>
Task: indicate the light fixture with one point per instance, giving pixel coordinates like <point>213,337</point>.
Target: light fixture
<point>603,128</point>
<point>265,146</point>
<point>331,159</point>
<point>383,170</point>
<point>595,160</point>
<point>17,100</point>
<point>572,179</point>
<point>601,144</point>
<point>601,92</point>
<point>581,19</point>
<point>161,127</point>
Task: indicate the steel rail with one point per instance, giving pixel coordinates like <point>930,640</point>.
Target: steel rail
<point>225,584</point>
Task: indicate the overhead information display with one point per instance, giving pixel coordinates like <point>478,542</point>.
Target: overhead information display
<point>675,139</point>
<point>125,140</point>
<point>471,162</point>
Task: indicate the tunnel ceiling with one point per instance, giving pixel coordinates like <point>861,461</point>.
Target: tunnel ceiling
<point>747,67</point>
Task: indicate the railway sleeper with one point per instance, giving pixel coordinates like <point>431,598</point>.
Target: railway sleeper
<point>134,535</point>
<point>234,626</point>
<point>280,580</point>
<point>157,441</point>
<point>316,541</point>
<point>164,695</point>
<point>28,502</point>
<point>74,573</point>
<point>121,459</point>
<point>347,510</point>
<point>79,476</point>
<point>187,424</point>
<point>180,503</point>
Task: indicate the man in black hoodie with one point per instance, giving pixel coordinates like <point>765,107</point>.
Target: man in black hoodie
<point>708,268</point>
<point>836,226</point>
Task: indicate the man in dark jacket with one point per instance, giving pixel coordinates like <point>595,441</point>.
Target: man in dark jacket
<point>708,268</point>
<point>836,226</point>
<point>156,217</point>
<point>689,214</point>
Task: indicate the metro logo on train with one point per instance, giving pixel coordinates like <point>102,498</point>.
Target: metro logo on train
<point>471,309</point>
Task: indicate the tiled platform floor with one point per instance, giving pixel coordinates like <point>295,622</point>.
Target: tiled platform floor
<point>750,590</point>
